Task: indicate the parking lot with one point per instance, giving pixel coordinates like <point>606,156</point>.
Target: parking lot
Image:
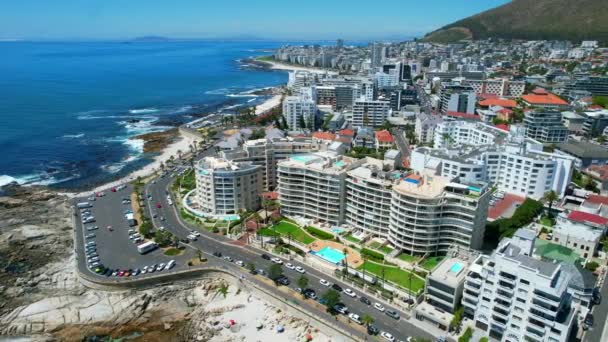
<point>110,234</point>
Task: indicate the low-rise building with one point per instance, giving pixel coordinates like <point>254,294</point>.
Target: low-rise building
<point>580,231</point>
<point>541,98</point>
<point>384,140</point>
<point>545,126</point>
<point>425,127</point>
<point>585,153</point>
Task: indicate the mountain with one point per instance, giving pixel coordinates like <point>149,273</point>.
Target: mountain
<point>573,20</point>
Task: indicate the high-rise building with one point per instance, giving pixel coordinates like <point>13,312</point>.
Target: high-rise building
<point>312,186</point>
<point>545,126</point>
<point>513,295</point>
<point>299,112</point>
<point>224,187</point>
<point>457,98</point>
<point>377,50</point>
<point>596,85</point>
<point>370,113</point>
<point>429,214</point>
<point>326,96</point>
<point>340,43</point>
<point>498,87</point>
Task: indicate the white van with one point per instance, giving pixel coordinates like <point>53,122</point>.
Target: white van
<point>170,265</point>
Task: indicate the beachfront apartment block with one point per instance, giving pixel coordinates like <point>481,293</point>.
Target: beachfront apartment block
<point>267,152</point>
<point>368,197</point>
<point>370,113</point>
<point>298,111</point>
<point>312,186</point>
<point>224,187</point>
<point>509,161</point>
<point>513,295</point>
<point>430,214</point>
<point>498,87</point>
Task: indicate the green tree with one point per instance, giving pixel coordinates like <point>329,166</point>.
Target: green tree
<point>331,297</point>
<point>367,320</point>
<point>457,318</point>
<point>251,267</point>
<point>223,289</point>
<point>303,283</point>
<point>550,197</point>
<point>275,271</point>
<point>592,266</point>
<point>163,238</point>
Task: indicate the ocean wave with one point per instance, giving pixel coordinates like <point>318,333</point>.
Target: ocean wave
<point>220,91</point>
<point>73,136</point>
<point>42,178</point>
<point>251,100</point>
<point>242,95</point>
<point>135,145</point>
<point>118,166</point>
<point>182,109</point>
<point>143,111</point>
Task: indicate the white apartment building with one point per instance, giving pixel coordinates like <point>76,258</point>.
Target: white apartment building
<point>225,187</point>
<point>581,236</point>
<point>313,186</point>
<point>383,80</point>
<point>500,87</point>
<point>457,98</point>
<point>450,133</point>
<point>429,214</point>
<point>368,197</point>
<point>268,152</point>
<point>370,113</point>
<point>513,164</point>
<point>514,296</point>
<point>425,127</point>
<point>295,108</point>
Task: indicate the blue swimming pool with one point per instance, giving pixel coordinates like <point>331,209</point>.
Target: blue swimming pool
<point>330,254</point>
<point>456,267</point>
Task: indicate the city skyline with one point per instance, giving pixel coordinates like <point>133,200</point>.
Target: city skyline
<point>70,20</point>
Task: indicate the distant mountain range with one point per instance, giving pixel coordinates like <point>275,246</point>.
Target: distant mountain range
<point>573,20</point>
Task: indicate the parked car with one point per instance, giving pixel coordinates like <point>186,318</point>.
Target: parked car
<point>324,282</point>
<point>265,256</point>
<point>290,266</point>
<point>240,263</point>
<point>350,293</point>
<point>372,330</point>
<point>341,308</point>
<point>379,307</point>
<point>365,300</point>
<point>588,321</point>
<point>277,261</point>
<point>160,266</point>
<point>387,336</point>
<point>392,314</point>
<point>300,269</point>
<point>355,318</point>
<point>283,281</point>
<point>310,293</point>
<point>337,287</point>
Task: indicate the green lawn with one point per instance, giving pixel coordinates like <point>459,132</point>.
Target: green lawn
<point>173,251</point>
<point>352,239</point>
<point>285,228</point>
<point>545,221</point>
<point>378,246</point>
<point>395,275</point>
<point>431,262</point>
<point>408,258</point>
<point>375,245</point>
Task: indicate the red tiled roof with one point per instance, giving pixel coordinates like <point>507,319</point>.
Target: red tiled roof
<point>548,99</point>
<point>463,115</point>
<point>324,136</point>
<point>581,216</point>
<point>498,102</point>
<point>598,171</point>
<point>485,96</point>
<point>347,132</point>
<point>384,136</point>
<point>598,199</point>
<point>504,127</point>
<point>346,140</point>
<point>540,91</point>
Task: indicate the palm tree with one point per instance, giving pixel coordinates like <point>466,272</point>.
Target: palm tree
<point>550,196</point>
<point>302,283</point>
<point>345,260</point>
<point>223,289</point>
<point>367,320</point>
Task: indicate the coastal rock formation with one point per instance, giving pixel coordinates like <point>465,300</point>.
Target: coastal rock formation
<point>42,298</point>
<point>157,141</point>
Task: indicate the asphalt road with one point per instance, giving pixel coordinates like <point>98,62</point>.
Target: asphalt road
<point>210,243</point>
<point>402,143</point>
<point>600,312</point>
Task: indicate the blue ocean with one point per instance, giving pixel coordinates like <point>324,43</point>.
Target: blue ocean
<point>67,110</point>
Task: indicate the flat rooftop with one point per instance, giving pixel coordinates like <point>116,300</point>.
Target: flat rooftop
<point>451,271</point>
<point>320,161</point>
<point>426,186</point>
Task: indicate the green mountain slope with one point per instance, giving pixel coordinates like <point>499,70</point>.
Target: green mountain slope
<point>534,20</point>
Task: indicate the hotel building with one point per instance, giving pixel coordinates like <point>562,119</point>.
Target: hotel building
<point>224,187</point>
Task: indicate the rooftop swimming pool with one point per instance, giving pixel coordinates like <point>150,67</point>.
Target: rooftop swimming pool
<point>457,267</point>
<point>304,158</point>
<point>330,254</point>
<point>337,230</point>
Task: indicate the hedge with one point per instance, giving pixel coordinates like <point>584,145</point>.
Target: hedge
<point>466,337</point>
<point>319,234</point>
<point>372,254</point>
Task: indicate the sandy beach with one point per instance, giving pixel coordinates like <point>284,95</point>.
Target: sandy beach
<point>290,67</point>
<point>182,144</point>
<point>268,104</point>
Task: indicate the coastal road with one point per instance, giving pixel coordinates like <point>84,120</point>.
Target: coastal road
<point>599,332</point>
<point>209,243</point>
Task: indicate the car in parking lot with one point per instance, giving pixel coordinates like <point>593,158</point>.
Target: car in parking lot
<point>240,263</point>
<point>152,268</point>
<point>355,318</point>
<point>365,300</point>
<point>350,293</point>
<point>337,287</point>
<point>90,236</point>
<point>217,254</point>
<point>341,308</point>
<point>283,281</point>
<point>300,269</point>
<point>372,330</point>
<point>310,293</point>
<point>261,272</point>
<point>144,270</point>
<point>92,254</point>
<point>392,314</point>
<point>229,259</point>
<point>91,228</point>
<point>324,282</point>
<point>265,256</point>
<point>387,336</point>
<point>290,266</point>
<point>192,237</point>
<point>277,261</point>
<point>588,321</point>
<point>160,266</point>
<point>91,243</point>
<point>379,307</point>
<point>195,233</point>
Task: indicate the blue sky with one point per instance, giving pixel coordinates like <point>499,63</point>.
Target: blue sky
<point>311,19</point>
